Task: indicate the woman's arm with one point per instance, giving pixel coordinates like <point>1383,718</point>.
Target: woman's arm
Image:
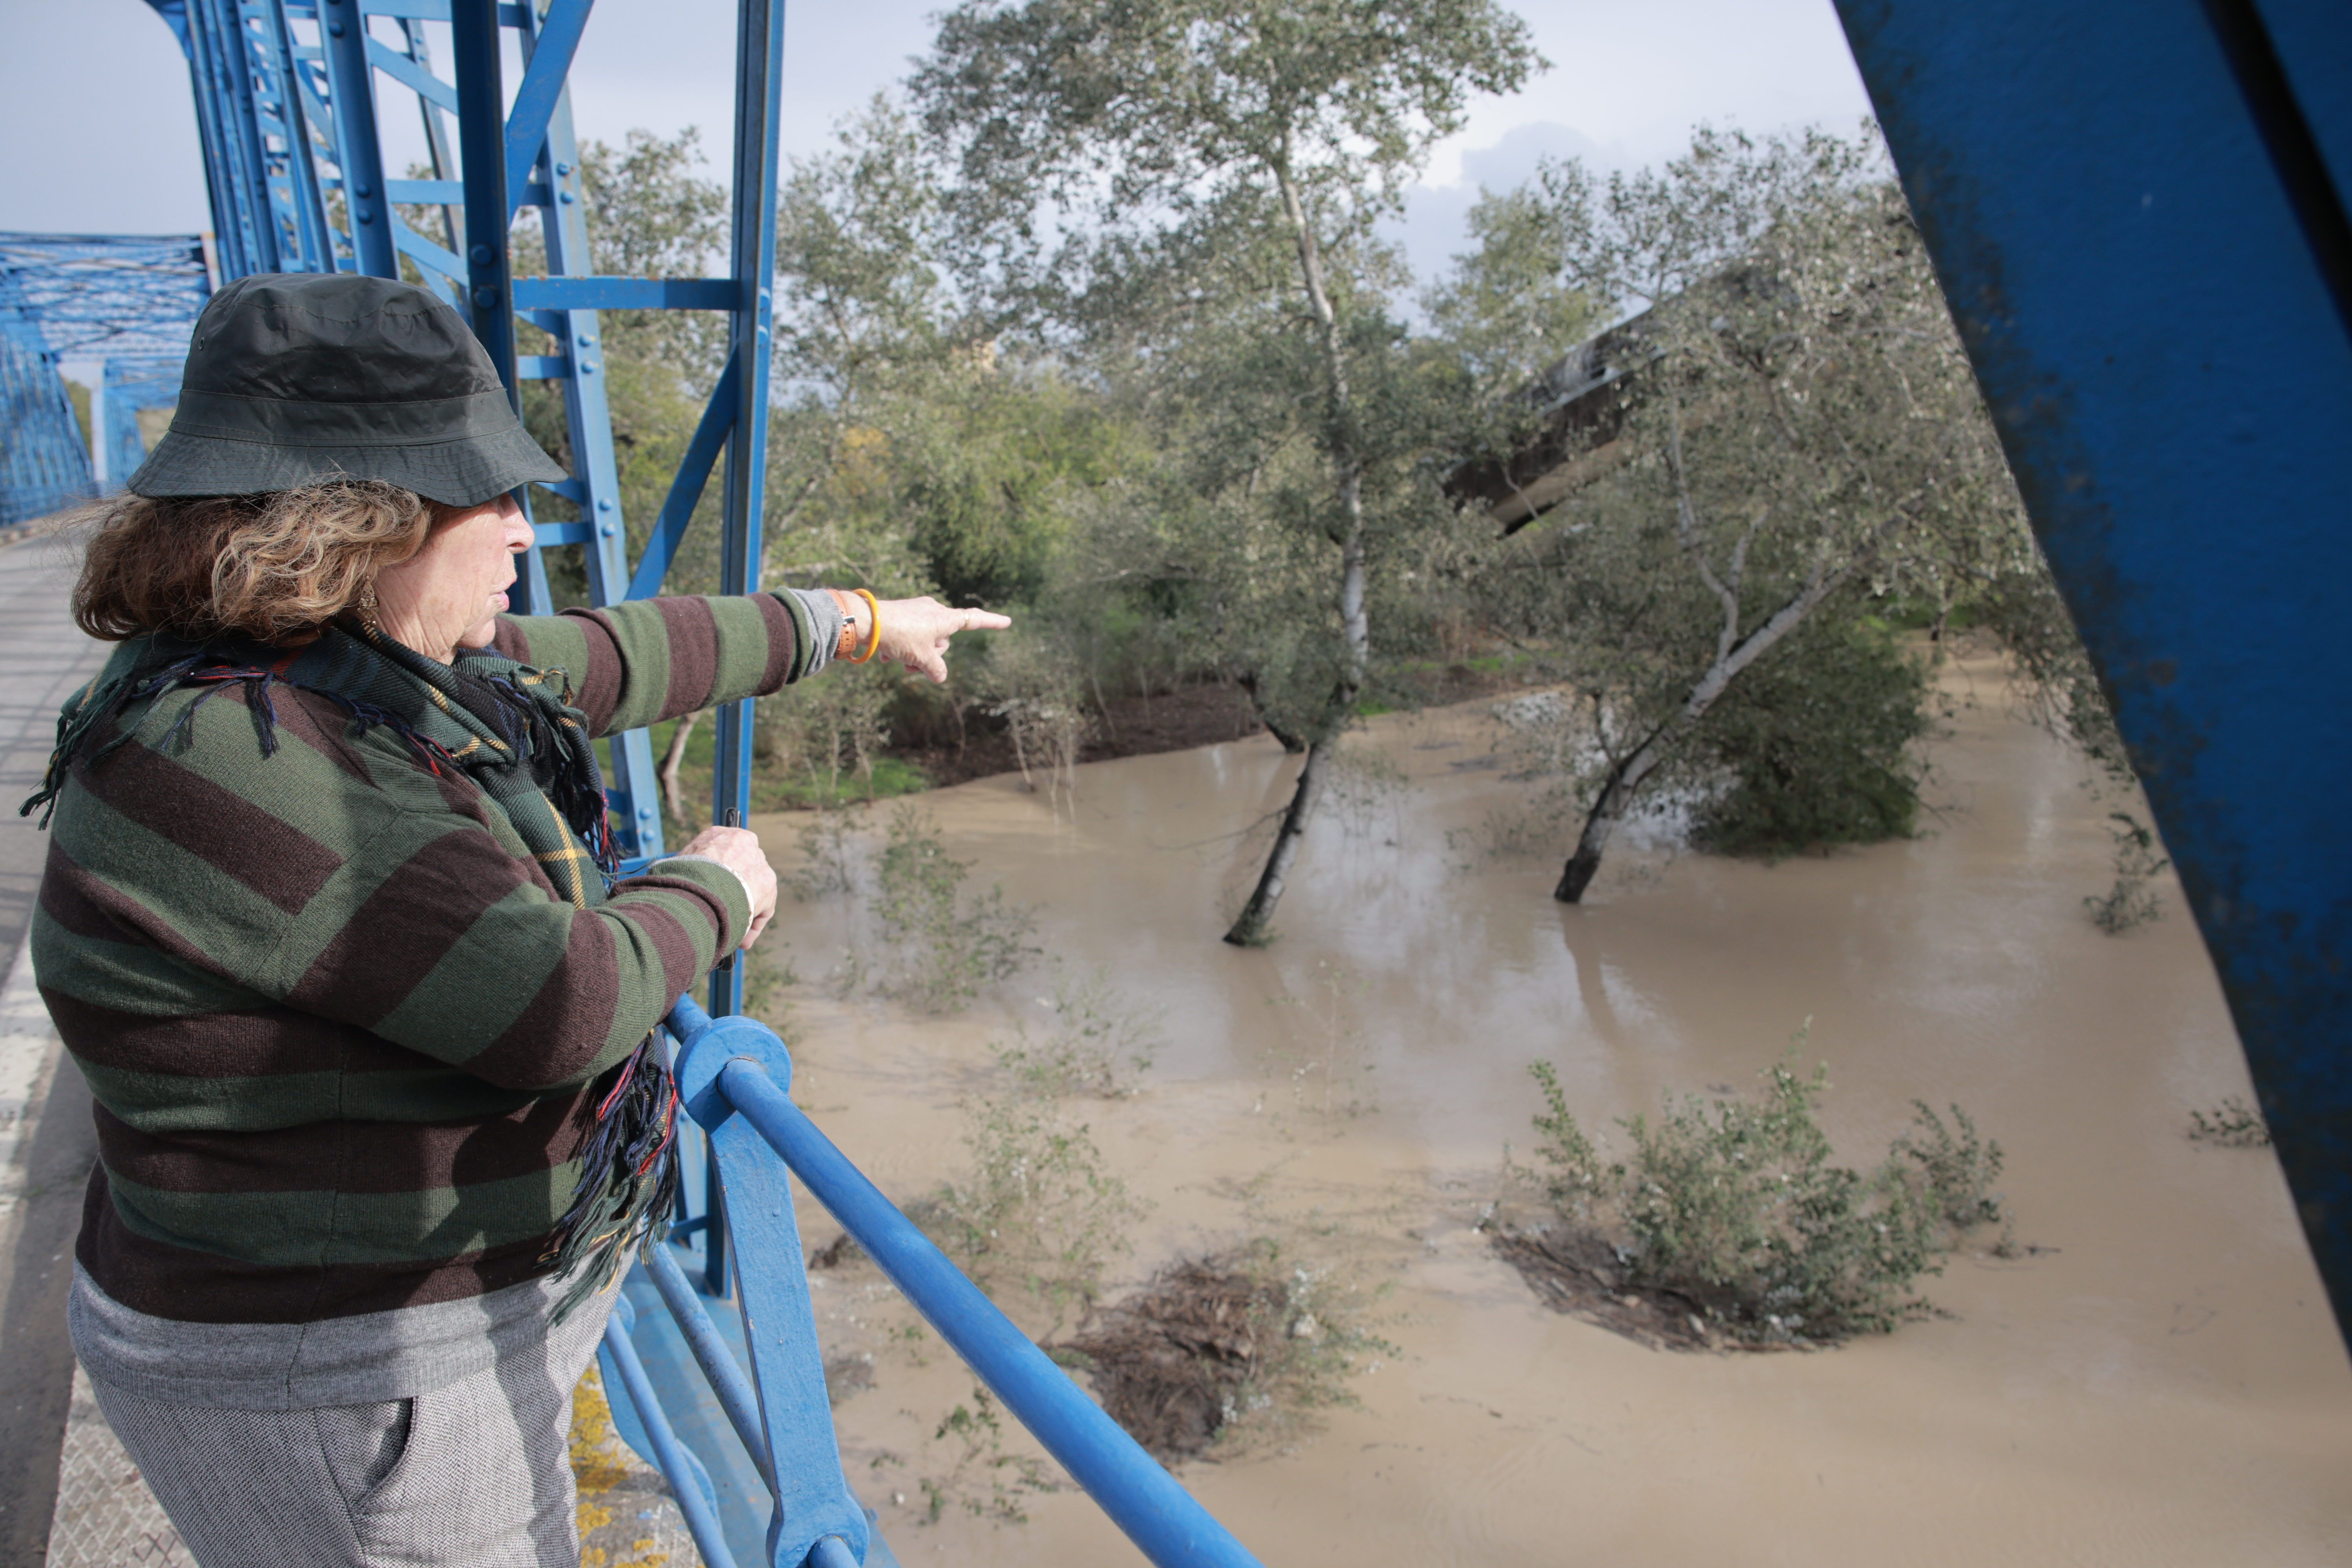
<point>650,659</point>
<point>458,950</point>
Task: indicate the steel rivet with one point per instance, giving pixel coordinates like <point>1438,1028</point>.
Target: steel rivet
<point>486,298</point>
<point>481,254</point>
<point>336,28</point>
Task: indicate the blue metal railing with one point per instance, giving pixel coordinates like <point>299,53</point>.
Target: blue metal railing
<point>733,1074</point>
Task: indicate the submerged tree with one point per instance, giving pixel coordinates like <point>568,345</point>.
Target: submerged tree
<point>1799,421</point>
<point>1147,128</point>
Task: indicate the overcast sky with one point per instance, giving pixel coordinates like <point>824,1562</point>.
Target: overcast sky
<point>101,136</point>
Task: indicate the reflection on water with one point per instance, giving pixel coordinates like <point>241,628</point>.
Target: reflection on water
<point>2164,1387</point>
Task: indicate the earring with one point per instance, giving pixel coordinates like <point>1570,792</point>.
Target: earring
<point>367,606</point>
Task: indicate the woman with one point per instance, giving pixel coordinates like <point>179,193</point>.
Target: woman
<point>329,924</point>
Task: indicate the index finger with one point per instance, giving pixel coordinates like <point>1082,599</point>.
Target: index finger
<point>987,621</point>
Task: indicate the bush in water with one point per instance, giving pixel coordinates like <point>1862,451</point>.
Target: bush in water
<point>2131,901</point>
<point>1737,1209</point>
<point>2234,1124</point>
<point>952,945</point>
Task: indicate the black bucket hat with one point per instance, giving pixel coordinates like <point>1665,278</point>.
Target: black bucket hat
<point>301,378</point>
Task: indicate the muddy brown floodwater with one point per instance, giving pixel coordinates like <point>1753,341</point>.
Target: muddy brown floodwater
<point>2165,1387</point>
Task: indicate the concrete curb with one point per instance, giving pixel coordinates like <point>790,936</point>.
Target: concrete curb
<point>29,1052</point>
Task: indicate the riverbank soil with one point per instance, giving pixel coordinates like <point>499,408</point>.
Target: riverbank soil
<point>2162,1383</point>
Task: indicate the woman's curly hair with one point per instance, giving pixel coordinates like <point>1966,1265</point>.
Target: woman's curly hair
<point>271,567</point>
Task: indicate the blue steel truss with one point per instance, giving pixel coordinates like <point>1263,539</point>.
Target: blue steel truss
<point>127,302</point>
<point>291,96</point>
<point>2138,209</point>
<point>44,466</point>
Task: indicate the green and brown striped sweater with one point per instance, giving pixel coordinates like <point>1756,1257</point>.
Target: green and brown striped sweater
<point>338,1024</point>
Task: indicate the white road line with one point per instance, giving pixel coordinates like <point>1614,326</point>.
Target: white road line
<point>29,1054</point>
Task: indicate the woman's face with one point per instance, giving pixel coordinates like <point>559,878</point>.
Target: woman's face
<point>447,596</point>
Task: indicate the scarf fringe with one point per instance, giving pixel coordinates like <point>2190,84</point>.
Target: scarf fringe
<point>628,1179</point>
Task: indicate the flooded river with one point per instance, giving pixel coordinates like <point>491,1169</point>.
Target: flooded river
<point>2163,1384</point>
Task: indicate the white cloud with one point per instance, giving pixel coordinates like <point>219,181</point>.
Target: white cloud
<point>94,98</point>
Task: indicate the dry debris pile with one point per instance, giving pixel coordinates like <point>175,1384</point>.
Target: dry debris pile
<point>1174,1362</point>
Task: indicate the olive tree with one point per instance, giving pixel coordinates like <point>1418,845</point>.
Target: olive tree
<point>1090,133</point>
<point>1797,424</point>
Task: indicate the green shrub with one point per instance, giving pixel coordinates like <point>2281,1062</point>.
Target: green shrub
<point>1815,740</point>
<point>1577,1172</point>
<point>2234,1124</point>
<point>2131,901</point>
<point>1953,1171</point>
<point>1739,1207</point>
<point>944,947</point>
<point>827,863</point>
<point>1038,1207</point>
<point>986,1481</point>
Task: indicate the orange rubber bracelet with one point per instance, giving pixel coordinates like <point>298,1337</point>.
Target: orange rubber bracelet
<point>873,643</point>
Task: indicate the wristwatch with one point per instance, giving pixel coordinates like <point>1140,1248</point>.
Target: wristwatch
<point>852,606</point>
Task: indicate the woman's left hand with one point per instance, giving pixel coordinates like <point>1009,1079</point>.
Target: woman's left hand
<point>915,632</point>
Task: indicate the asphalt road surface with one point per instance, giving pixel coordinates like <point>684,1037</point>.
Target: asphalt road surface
<point>42,660</point>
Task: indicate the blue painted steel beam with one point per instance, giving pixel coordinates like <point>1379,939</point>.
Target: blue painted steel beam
<point>759,71</point>
<point>481,151</point>
<point>128,388</point>
<point>358,152</point>
<point>636,791</point>
<point>710,433</point>
<point>712,1355</point>
<point>554,41</point>
<point>627,294</point>
<point>128,300</point>
<point>2159,329</point>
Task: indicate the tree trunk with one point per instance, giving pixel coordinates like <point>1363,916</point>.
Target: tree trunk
<point>672,795</point>
<point>1616,794</point>
<point>1253,927</point>
<point>1292,742</point>
<point>1625,780</point>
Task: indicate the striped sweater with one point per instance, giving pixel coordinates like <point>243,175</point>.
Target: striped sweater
<point>338,1024</point>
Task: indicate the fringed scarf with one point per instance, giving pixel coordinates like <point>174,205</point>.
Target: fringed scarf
<point>512,729</point>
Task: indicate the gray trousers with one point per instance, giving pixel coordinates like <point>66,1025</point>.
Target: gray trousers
<point>475,1474</point>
